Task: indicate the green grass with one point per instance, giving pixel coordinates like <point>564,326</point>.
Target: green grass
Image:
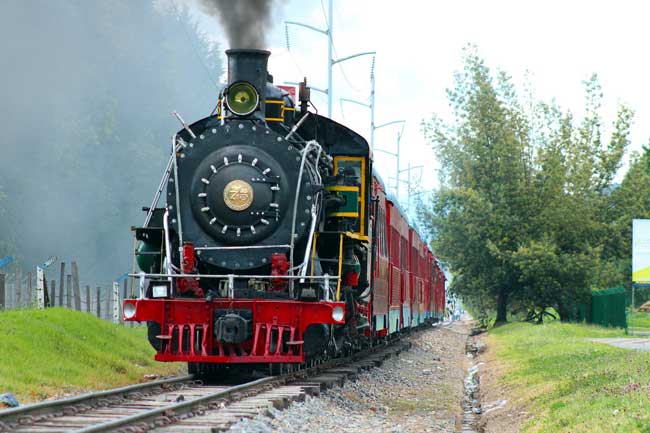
<point>568,384</point>
<point>44,353</point>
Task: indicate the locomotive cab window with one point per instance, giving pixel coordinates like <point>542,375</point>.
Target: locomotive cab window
<point>350,186</point>
<point>349,168</point>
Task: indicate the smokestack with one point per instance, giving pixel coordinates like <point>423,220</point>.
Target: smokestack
<point>250,66</point>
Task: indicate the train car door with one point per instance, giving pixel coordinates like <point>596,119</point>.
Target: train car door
<point>381,269</point>
<point>394,246</point>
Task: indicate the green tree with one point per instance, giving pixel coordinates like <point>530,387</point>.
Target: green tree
<point>479,214</point>
<point>522,211</point>
<point>626,202</point>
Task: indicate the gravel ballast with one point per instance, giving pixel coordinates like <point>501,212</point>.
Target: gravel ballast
<point>418,391</point>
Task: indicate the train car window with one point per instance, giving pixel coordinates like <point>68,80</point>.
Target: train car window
<point>378,231</point>
<point>434,275</point>
<point>382,232</point>
<point>394,246</point>
<point>414,260</point>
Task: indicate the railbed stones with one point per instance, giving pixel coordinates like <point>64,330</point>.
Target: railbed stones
<point>419,391</point>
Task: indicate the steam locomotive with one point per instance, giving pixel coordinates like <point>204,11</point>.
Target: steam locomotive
<point>277,244</point>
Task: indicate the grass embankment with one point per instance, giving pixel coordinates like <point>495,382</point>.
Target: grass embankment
<point>568,384</point>
<point>58,351</point>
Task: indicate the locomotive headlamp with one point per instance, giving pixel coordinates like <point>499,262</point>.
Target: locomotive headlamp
<point>242,98</point>
<point>129,311</point>
<point>338,313</point>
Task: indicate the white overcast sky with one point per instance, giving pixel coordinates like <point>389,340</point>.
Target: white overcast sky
<point>419,45</point>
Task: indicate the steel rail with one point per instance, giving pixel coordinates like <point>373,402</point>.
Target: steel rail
<point>10,416</point>
<point>176,408</point>
<point>187,406</point>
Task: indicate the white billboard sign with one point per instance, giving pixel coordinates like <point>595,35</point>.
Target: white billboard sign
<point>641,251</point>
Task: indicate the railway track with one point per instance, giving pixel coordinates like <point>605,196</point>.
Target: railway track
<point>183,405</point>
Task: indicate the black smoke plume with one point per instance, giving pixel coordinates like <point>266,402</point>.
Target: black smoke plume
<point>246,22</point>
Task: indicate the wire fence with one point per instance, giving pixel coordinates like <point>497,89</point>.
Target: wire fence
<point>638,310</point>
<point>26,289</point>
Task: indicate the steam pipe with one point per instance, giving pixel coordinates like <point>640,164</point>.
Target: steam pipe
<point>175,148</point>
<point>168,251</point>
<point>305,151</point>
<point>312,229</point>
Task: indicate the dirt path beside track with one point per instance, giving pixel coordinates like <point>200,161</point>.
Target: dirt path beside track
<point>500,412</point>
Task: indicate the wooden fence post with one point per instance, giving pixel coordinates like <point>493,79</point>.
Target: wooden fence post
<point>2,292</point>
<point>29,298</point>
<point>99,301</point>
<point>116,302</point>
<point>75,283</point>
<point>52,293</point>
<point>125,285</point>
<point>108,305</point>
<point>40,287</point>
<point>46,295</point>
<point>88,300</point>
<point>19,287</point>
<point>68,291</point>
<point>61,286</point>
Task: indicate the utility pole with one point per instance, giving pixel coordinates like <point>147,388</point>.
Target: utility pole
<point>330,63</point>
<point>408,183</point>
<point>329,91</point>
<point>371,105</point>
<point>397,153</point>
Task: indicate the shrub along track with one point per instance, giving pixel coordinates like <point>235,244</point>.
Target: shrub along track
<point>182,404</point>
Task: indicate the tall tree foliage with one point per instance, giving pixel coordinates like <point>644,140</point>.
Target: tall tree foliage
<point>627,202</point>
<point>520,214</point>
<point>88,91</point>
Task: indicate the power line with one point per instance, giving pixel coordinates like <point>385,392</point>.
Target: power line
<point>356,89</point>
<point>293,59</point>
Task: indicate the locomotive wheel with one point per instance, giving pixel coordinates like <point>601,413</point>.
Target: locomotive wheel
<point>207,371</point>
<point>275,369</point>
<point>153,330</point>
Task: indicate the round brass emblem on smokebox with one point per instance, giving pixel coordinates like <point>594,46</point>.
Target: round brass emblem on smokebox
<point>238,195</point>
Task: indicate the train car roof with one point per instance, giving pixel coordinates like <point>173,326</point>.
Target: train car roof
<point>393,199</point>
<point>390,196</point>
